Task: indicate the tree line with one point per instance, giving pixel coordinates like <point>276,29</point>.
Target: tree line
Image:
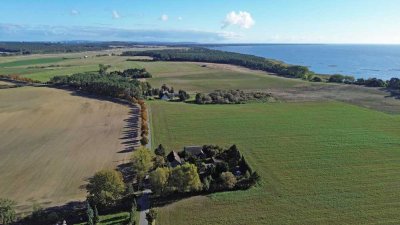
<point>393,83</point>
<point>232,97</point>
<point>197,54</point>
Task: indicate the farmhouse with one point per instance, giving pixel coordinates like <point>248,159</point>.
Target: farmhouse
<point>174,159</point>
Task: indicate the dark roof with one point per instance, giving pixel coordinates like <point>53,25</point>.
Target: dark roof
<point>174,157</point>
<point>194,150</point>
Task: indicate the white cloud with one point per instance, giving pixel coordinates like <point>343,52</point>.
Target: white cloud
<point>180,18</point>
<point>241,19</point>
<point>74,12</point>
<point>164,17</point>
<point>115,14</point>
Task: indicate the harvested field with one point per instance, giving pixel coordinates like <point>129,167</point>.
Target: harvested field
<point>52,141</point>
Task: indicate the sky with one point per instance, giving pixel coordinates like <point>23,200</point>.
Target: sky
<point>205,21</point>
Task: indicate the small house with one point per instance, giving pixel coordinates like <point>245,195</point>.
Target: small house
<point>174,159</point>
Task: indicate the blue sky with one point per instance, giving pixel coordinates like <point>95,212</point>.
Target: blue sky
<point>222,21</point>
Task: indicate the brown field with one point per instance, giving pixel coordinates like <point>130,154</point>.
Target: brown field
<point>52,141</point>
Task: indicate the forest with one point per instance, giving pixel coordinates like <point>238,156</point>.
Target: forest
<point>214,56</point>
<point>106,85</point>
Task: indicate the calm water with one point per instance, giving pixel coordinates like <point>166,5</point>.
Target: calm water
<point>382,61</point>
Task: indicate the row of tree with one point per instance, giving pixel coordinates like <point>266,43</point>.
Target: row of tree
<point>18,78</point>
<point>232,97</point>
<point>134,73</point>
<point>144,128</point>
<point>393,83</point>
<point>198,54</point>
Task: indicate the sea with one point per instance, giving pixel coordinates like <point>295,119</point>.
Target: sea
<point>360,61</point>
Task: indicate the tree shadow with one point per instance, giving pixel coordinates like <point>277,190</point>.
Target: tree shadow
<point>392,93</point>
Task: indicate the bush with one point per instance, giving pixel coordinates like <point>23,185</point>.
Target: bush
<point>228,180</point>
<point>144,140</point>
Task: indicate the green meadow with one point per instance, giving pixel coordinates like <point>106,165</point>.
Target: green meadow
<point>321,163</point>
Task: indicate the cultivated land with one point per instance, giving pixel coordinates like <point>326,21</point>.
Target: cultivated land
<point>52,141</point>
<point>322,159</point>
<point>320,163</point>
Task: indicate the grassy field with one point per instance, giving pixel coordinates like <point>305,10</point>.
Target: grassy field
<point>30,62</point>
<point>321,163</point>
<point>52,141</point>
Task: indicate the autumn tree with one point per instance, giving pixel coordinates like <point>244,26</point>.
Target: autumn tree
<point>105,188</point>
<point>228,180</point>
<point>142,161</point>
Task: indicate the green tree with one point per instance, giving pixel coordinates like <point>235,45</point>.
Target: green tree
<point>89,214</point>
<point>185,178</point>
<point>142,161</point>
<point>159,179</point>
<point>105,188</point>
<point>183,95</point>
<point>96,218</point>
<point>132,215</point>
<point>228,180</point>
<point>103,69</point>
<point>7,211</point>
<point>159,161</point>
<point>160,150</point>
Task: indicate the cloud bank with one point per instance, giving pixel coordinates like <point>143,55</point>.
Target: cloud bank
<point>241,19</point>
<point>14,32</point>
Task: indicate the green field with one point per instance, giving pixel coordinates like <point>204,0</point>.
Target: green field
<point>30,62</point>
<point>321,163</point>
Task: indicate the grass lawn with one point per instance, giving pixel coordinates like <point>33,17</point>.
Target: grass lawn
<point>113,219</point>
<point>321,163</point>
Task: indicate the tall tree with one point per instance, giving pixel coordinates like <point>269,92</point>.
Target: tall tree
<point>159,179</point>
<point>89,214</point>
<point>132,215</point>
<point>96,217</point>
<point>185,178</point>
<point>142,161</point>
<point>160,150</point>
<point>105,188</point>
